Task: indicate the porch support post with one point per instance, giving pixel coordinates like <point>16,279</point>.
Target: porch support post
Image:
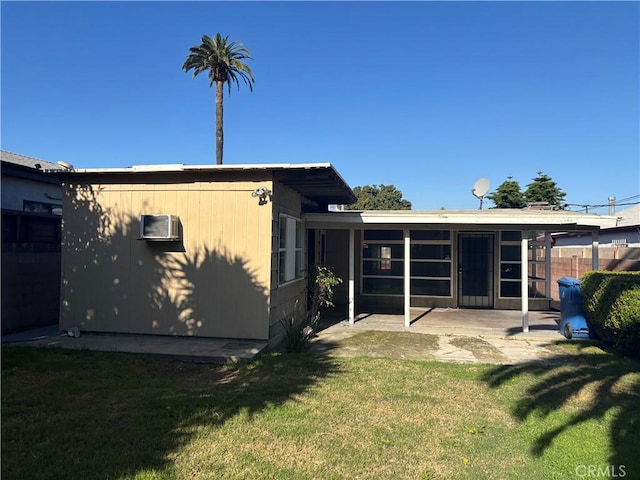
<point>524,280</point>
<point>352,275</point>
<point>595,250</point>
<point>407,278</point>
<point>547,264</point>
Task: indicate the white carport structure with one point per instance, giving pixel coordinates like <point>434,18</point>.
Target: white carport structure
<point>537,223</point>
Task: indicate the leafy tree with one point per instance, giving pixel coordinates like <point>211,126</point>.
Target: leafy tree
<point>224,61</point>
<point>379,197</point>
<point>544,189</point>
<point>508,195</point>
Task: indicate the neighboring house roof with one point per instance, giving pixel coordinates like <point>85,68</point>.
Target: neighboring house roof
<point>502,219</point>
<point>319,182</point>
<point>29,162</point>
<point>629,217</point>
<point>628,220</point>
<point>29,168</point>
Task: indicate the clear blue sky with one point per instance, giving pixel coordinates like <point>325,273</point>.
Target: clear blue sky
<point>428,96</point>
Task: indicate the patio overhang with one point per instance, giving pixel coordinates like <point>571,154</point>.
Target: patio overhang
<point>524,220</point>
<point>503,219</point>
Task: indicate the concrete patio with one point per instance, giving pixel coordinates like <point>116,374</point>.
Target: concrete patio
<point>450,321</point>
<point>453,335</point>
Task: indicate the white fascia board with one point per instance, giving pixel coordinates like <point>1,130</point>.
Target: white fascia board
<point>258,166</point>
<point>170,167</point>
<point>101,170</point>
<point>179,167</point>
<point>460,217</point>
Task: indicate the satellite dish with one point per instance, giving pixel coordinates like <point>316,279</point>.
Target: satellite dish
<point>480,189</point>
<point>66,165</point>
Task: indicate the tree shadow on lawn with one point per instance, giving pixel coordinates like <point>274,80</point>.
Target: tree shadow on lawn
<point>614,385</point>
<point>81,414</point>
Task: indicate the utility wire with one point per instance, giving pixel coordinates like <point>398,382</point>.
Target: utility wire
<point>603,205</point>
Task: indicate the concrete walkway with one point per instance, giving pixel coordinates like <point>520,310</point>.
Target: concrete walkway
<point>185,348</point>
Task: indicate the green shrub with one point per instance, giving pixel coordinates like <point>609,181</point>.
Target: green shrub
<point>612,306</point>
<point>624,321</point>
<point>594,286</point>
<point>322,281</point>
<point>298,333</point>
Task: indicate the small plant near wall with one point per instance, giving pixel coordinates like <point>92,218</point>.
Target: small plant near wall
<point>298,334</point>
<point>321,283</point>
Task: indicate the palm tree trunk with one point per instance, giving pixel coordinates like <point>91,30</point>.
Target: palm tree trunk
<point>219,130</point>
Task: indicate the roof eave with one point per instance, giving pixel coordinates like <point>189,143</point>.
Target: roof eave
<point>317,182</point>
<point>502,220</point>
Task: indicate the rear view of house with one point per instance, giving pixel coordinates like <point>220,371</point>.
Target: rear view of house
<point>224,251</point>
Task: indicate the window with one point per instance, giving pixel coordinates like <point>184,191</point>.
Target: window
<point>290,252</point>
<point>537,254</point>
<point>385,258</point>
<point>431,263</point>
<point>382,262</point>
<point>26,228</point>
<point>41,207</point>
<point>378,259</point>
<point>511,264</point>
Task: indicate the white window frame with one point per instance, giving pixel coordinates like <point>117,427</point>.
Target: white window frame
<point>290,249</point>
<point>381,259</point>
<point>515,244</point>
<point>385,259</point>
<point>444,260</point>
<point>538,251</point>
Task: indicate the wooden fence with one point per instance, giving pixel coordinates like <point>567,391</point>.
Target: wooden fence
<point>575,261</point>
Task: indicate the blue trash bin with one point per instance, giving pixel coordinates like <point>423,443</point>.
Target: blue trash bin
<point>573,320</point>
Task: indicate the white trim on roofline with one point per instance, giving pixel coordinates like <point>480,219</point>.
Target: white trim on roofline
<point>493,217</point>
<point>180,167</point>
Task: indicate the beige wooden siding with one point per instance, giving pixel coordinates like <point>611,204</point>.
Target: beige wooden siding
<point>212,283</point>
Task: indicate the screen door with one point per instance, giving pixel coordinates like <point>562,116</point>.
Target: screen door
<point>475,269</point>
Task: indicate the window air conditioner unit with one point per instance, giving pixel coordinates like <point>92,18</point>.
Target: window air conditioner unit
<point>159,227</point>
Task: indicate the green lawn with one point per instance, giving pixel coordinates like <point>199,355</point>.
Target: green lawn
<point>88,415</point>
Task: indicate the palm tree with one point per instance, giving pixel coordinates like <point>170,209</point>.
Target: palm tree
<point>224,60</point>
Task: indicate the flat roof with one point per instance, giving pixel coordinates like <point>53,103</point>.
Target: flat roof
<point>319,182</point>
<point>495,218</point>
<point>181,167</point>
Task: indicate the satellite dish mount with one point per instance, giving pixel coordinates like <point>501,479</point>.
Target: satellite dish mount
<point>480,189</point>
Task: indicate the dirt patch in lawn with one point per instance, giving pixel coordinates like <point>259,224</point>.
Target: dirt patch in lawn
<point>481,349</point>
<point>348,342</point>
<point>396,345</point>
